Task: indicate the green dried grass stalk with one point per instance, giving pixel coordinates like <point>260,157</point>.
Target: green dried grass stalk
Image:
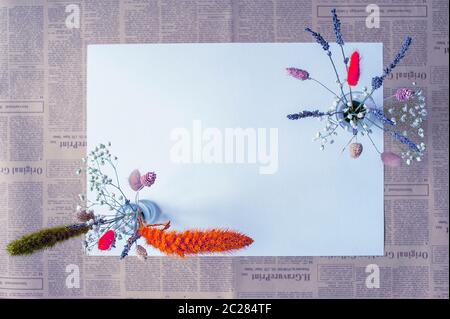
<point>42,239</point>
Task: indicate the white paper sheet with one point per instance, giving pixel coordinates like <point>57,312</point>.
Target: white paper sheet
<point>299,201</point>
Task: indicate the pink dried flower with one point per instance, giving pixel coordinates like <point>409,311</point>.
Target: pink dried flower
<point>148,179</point>
<point>355,150</point>
<point>403,94</point>
<point>141,253</point>
<point>298,74</point>
<point>391,159</point>
<point>135,180</point>
<point>84,216</point>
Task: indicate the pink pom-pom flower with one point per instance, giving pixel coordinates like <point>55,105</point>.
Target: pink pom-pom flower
<point>391,159</point>
<point>403,94</point>
<point>148,179</point>
<point>299,74</point>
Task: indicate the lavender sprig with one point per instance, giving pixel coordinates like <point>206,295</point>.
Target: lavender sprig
<point>377,81</point>
<point>337,28</point>
<point>77,226</point>
<point>325,45</point>
<point>128,245</point>
<point>340,41</point>
<point>380,115</point>
<point>304,114</point>
<point>404,140</point>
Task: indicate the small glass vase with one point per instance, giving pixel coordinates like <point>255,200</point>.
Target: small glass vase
<point>359,113</point>
<point>148,210</point>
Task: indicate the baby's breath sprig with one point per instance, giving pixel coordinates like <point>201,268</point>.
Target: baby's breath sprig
<point>103,181</point>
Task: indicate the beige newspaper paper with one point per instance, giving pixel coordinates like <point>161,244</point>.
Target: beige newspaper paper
<point>43,138</point>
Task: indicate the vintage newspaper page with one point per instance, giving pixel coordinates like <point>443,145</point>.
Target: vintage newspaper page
<point>43,137</point>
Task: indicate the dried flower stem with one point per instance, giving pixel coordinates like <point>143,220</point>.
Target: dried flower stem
<point>337,76</point>
<point>326,87</point>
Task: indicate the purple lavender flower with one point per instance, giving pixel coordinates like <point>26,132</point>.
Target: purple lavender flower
<point>320,40</point>
<point>304,114</point>
<point>337,28</point>
<point>380,115</point>
<point>298,73</point>
<point>404,140</point>
<point>76,226</point>
<point>377,81</point>
<point>130,242</point>
<point>401,54</point>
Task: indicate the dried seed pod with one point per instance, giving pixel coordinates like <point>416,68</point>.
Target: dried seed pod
<point>84,216</point>
<point>141,253</point>
<point>355,150</point>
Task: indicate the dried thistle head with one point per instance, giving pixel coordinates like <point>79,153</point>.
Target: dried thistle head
<point>84,216</point>
<point>141,253</point>
<point>355,150</point>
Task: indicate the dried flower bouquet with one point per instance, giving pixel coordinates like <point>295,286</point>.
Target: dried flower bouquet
<point>125,220</point>
<point>357,113</point>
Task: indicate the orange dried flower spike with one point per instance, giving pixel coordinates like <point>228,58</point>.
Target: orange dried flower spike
<point>190,242</point>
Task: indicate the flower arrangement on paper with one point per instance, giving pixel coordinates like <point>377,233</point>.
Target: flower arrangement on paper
<point>356,112</point>
<point>125,220</point>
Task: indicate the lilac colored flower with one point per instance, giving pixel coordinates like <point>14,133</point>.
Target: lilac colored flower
<point>320,40</point>
<point>337,28</point>
<point>298,73</point>
<point>304,114</point>
<point>403,94</point>
<point>148,179</point>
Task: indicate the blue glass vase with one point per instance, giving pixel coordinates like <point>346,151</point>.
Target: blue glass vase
<point>148,211</point>
<point>358,97</point>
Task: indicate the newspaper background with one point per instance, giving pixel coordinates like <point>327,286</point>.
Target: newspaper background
<point>42,139</point>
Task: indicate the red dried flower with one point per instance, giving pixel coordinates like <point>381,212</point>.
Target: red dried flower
<point>107,240</point>
<point>353,69</point>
